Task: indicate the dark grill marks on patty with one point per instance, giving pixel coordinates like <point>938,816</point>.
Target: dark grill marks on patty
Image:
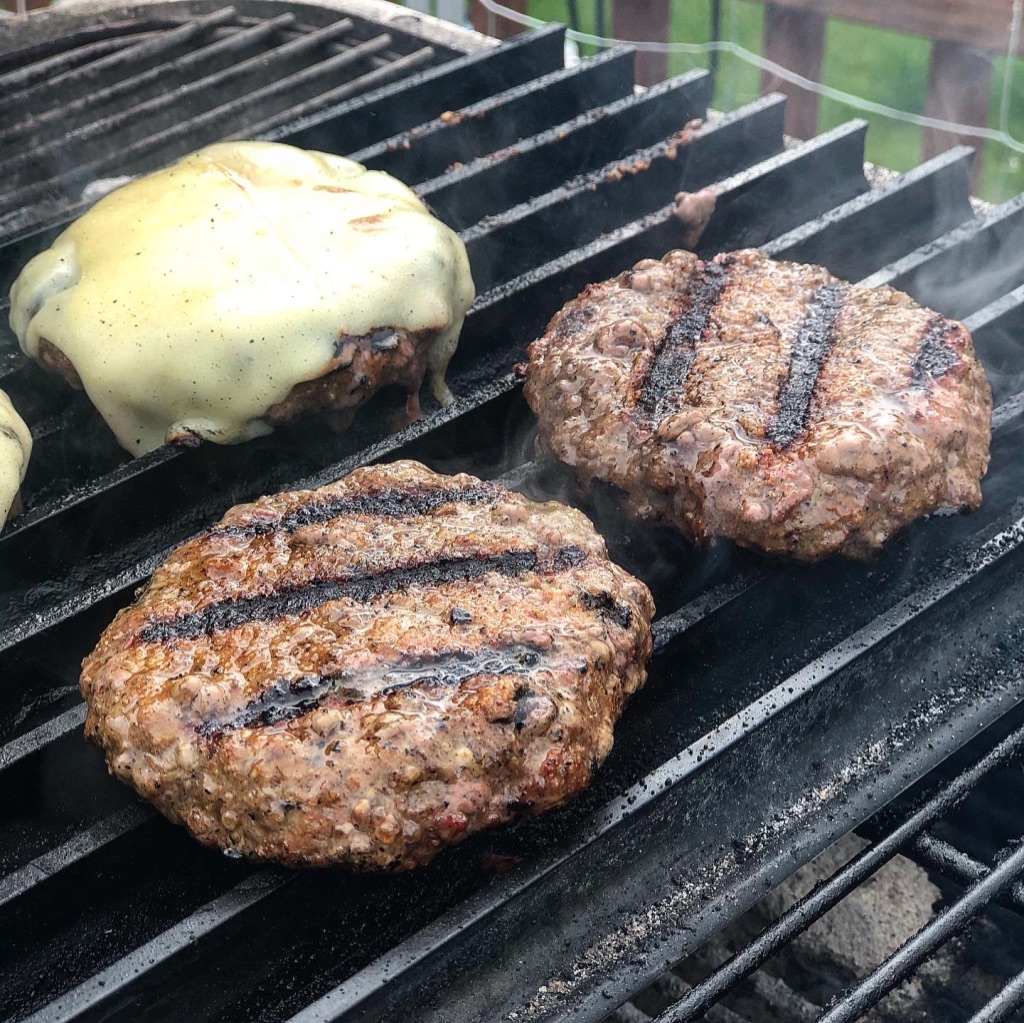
<point>934,358</point>
<point>659,389</point>
<point>788,411</point>
<point>386,504</point>
<point>361,587</point>
<point>814,341</point>
<point>288,700</point>
<point>475,687</point>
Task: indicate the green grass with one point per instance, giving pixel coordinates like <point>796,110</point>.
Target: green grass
<point>875,64</point>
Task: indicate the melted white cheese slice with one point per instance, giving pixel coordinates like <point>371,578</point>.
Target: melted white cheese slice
<point>15,451</point>
<point>193,299</point>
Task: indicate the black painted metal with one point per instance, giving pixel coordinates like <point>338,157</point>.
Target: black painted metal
<point>672,841</point>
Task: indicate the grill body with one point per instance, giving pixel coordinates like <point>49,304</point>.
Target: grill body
<point>761,736</point>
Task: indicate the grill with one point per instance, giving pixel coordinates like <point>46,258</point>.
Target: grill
<point>787,705</point>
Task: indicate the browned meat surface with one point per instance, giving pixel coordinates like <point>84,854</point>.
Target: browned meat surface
<point>366,673</point>
<point>764,401</point>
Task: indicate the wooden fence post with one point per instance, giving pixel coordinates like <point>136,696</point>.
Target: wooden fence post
<point>495,25</point>
<point>796,40</point>
<point>647,20</point>
<point>959,88</point>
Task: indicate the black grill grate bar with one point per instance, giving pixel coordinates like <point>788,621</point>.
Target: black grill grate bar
<point>930,201</point>
<point>33,130</point>
<point>25,74</point>
<point>32,742</point>
<point>258,66</point>
<point>503,119</point>
<point>385,73</point>
<point>109,982</point>
<point>1004,1005</point>
<point>356,123</point>
<point>968,267</point>
<point>126,59</point>
<point>207,126</point>
<point>621,191</point>
<point>832,891</point>
<point>71,853</point>
<point>538,164</point>
<point>926,942</point>
<point>940,856</point>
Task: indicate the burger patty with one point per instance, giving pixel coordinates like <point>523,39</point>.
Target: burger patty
<point>764,401</point>
<point>366,673</point>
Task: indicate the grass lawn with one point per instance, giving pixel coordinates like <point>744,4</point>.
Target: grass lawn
<point>887,67</point>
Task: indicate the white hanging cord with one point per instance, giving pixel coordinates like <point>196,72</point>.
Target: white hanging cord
<point>1000,135</point>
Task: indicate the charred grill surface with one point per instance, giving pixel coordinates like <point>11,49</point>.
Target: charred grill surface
<point>369,687</point>
<point>784,409</point>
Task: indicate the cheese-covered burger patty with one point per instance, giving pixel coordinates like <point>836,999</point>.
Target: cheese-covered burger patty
<point>249,281</point>
<point>15,450</point>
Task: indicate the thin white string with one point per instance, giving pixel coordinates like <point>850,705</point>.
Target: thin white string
<point>1001,135</point>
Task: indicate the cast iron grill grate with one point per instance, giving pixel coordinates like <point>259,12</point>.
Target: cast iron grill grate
<point>837,686</point>
<point>101,103</point>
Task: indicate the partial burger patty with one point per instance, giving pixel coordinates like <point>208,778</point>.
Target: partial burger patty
<point>365,673</point>
<point>764,401</point>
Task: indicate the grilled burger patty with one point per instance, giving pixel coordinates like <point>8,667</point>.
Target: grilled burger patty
<point>365,673</point>
<point>764,401</point>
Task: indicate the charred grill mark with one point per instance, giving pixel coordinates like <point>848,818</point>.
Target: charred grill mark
<point>815,338</point>
<point>608,607</point>
<point>361,587</point>
<point>289,699</point>
<point>674,351</point>
<point>934,356</point>
<point>387,504</point>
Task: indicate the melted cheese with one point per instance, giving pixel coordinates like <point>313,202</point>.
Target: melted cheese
<point>15,450</point>
<point>193,299</point>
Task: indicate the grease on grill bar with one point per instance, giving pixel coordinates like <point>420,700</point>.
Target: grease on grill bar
<point>876,675</point>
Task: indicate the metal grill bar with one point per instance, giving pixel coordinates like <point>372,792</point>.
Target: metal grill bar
<point>109,982</point>
<point>32,130</point>
<point>831,892</point>
<point>543,162</point>
<point>22,76</point>
<point>968,266</point>
<point>360,122</point>
<point>850,240</point>
<point>1004,1005</point>
<point>256,67</point>
<point>485,127</point>
<point>509,243</point>
<point>55,87</point>
<point>393,69</point>
<point>936,933</point>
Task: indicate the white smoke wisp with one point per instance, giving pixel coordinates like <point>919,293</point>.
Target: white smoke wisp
<point>1000,135</point>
